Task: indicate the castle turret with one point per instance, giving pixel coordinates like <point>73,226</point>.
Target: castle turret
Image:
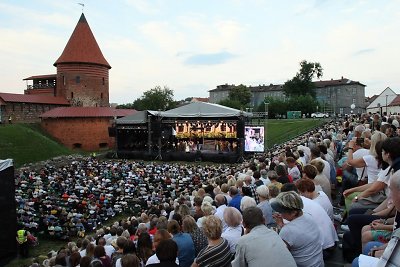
<point>82,70</point>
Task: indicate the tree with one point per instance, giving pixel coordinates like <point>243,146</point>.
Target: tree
<point>239,97</point>
<point>241,94</point>
<point>231,103</point>
<point>154,99</point>
<point>302,84</point>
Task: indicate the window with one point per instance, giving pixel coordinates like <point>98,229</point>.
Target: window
<point>354,91</point>
<point>354,100</point>
<point>63,79</point>
<point>104,81</point>
<point>78,79</point>
<point>101,95</point>
<point>72,95</point>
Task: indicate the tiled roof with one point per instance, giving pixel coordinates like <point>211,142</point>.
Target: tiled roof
<point>343,81</point>
<point>46,76</point>
<point>38,99</point>
<point>86,112</point>
<point>82,47</point>
<point>201,99</point>
<point>395,102</point>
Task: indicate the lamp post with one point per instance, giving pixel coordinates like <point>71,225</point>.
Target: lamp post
<point>386,105</point>
<point>352,106</point>
<point>266,103</point>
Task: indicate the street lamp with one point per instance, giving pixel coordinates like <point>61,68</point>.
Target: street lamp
<point>352,106</point>
<point>266,103</point>
<point>386,105</point>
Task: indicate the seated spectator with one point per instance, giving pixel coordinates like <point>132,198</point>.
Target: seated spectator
<point>264,205</point>
<point>236,197</point>
<point>100,254</point>
<point>260,246</point>
<point>273,177</point>
<point>317,176</point>
<point>217,253</point>
<point>186,250</point>
<point>160,236</point>
<point>235,230</point>
<point>306,188</point>
<point>199,239</point>
<point>301,234</point>
<point>144,247</point>
<point>247,202</point>
<point>130,260</point>
<point>207,210</point>
<point>167,251</point>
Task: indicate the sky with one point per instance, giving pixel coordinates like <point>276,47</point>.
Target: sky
<point>191,46</point>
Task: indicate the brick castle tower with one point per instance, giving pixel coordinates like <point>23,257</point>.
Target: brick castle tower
<point>82,70</point>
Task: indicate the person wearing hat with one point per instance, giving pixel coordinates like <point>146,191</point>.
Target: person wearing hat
<point>301,234</point>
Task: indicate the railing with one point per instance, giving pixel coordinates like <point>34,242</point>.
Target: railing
<point>41,86</point>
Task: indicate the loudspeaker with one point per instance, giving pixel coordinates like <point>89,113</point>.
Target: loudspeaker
<point>112,131</point>
<point>8,223</point>
<point>156,128</point>
<point>240,129</point>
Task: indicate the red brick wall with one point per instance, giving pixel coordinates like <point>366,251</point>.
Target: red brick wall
<point>89,132</point>
<point>91,91</point>
<point>24,112</point>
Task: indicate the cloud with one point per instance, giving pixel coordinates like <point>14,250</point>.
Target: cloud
<point>210,59</point>
<point>145,7</point>
<point>364,51</point>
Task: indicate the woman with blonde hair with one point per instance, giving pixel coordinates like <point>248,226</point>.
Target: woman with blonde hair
<point>217,253</point>
<point>208,210</point>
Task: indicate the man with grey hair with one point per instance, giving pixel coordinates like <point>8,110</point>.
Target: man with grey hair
<point>248,183</point>
<point>221,202</point>
<point>264,177</point>
<point>264,205</point>
<point>260,246</point>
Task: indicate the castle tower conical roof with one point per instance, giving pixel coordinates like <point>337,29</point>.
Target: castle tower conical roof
<point>82,47</point>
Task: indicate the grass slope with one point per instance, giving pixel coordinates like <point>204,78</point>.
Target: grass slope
<point>279,131</point>
<point>28,143</point>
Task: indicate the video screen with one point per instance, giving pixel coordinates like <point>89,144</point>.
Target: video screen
<point>254,139</point>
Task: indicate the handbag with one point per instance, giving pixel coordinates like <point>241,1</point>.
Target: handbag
<point>378,198</point>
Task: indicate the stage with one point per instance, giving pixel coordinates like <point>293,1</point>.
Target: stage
<point>191,156</point>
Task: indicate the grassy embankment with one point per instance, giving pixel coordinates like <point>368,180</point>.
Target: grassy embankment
<point>279,131</point>
<point>27,143</point>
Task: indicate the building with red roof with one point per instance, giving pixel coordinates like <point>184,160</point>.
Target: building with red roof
<point>82,79</point>
<point>73,104</point>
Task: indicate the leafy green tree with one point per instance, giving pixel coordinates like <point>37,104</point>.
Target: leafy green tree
<point>125,106</point>
<point>239,98</point>
<point>302,84</point>
<point>231,103</point>
<point>276,107</point>
<point>304,103</point>
<point>241,94</point>
<point>156,98</point>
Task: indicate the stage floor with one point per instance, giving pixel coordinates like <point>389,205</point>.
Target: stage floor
<point>191,156</point>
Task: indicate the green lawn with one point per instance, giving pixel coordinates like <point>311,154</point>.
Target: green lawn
<point>279,131</point>
<point>27,143</point>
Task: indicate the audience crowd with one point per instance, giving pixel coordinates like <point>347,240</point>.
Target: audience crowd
<point>274,209</point>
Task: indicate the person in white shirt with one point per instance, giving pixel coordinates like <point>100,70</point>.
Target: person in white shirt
<point>220,201</point>
<point>306,188</point>
<point>293,170</point>
<point>264,177</point>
